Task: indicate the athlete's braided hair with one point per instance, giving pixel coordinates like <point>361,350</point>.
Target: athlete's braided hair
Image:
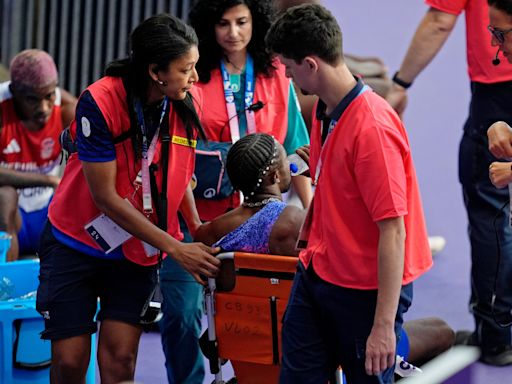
<point>249,160</point>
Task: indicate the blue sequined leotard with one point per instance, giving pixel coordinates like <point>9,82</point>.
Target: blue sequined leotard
<point>253,235</point>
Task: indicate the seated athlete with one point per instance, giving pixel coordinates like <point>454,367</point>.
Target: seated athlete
<point>257,166</point>
<point>33,112</point>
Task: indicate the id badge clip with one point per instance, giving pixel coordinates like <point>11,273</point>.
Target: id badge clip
<point>147,206</point>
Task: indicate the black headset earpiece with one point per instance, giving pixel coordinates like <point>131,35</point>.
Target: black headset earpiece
<point>496,61</point>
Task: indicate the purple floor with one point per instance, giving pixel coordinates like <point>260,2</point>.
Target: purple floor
<point>437,108</point>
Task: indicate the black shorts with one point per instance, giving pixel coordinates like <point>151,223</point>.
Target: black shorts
<point>71,282</point>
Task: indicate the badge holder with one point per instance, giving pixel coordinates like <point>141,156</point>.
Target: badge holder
<point>106,233</point>
<point>152,310</point>
<point>110,236</point>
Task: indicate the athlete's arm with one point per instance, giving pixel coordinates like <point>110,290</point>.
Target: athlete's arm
<point>18,179</point>
<point>284,233</point>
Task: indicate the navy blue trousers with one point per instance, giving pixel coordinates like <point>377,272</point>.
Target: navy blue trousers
<point>326,326</point>
<point>487,215</point>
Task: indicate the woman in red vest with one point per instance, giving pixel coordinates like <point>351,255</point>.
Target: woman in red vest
<point>106,229</point>
<point>244,91</point>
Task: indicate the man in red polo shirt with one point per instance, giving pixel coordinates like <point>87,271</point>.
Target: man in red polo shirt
<point>365,232</point>
<point>491,100</point>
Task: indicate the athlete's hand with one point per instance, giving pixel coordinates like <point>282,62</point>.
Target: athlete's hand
<point>397,98</point>
<point>500,174</point>
<point>500,140</point>
<point>380,349</point>
<point>197,259</point>
<point>303,152</point>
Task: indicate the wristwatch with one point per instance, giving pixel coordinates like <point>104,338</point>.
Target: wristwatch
<point>401,82</point>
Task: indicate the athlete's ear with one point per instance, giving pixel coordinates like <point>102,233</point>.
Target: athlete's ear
<point>275,177</point>
<point>153,71</point>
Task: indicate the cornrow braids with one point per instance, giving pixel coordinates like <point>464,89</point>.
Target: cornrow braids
<point>249,160</point>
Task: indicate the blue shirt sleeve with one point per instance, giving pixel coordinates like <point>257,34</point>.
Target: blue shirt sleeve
<point>94,140</point>
<point>297,133</point>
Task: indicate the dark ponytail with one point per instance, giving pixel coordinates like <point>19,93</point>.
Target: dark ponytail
<point>159,40</point>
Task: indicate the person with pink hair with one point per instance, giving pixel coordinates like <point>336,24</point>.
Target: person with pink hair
<point>33,113</point>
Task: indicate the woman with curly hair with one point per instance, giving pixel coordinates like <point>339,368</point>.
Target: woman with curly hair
<point>245,91</point>
<point>245,88</point>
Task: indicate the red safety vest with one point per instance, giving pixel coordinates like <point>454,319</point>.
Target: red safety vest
<point>273,91</point>
<point>73,207</point>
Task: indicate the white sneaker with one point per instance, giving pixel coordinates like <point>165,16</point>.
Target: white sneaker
<point>436,243</point>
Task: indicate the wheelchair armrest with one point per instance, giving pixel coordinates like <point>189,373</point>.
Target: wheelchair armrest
<point>226,278</point>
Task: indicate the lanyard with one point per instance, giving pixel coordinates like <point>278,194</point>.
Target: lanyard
<point>148,152</point>
<point>332,125</point>
<point>248,98</point>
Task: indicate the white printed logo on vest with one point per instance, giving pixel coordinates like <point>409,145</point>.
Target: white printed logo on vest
<point>209,193</point>
<point>12,147</point>
<point>47,146</point>
<point>86,126</point>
